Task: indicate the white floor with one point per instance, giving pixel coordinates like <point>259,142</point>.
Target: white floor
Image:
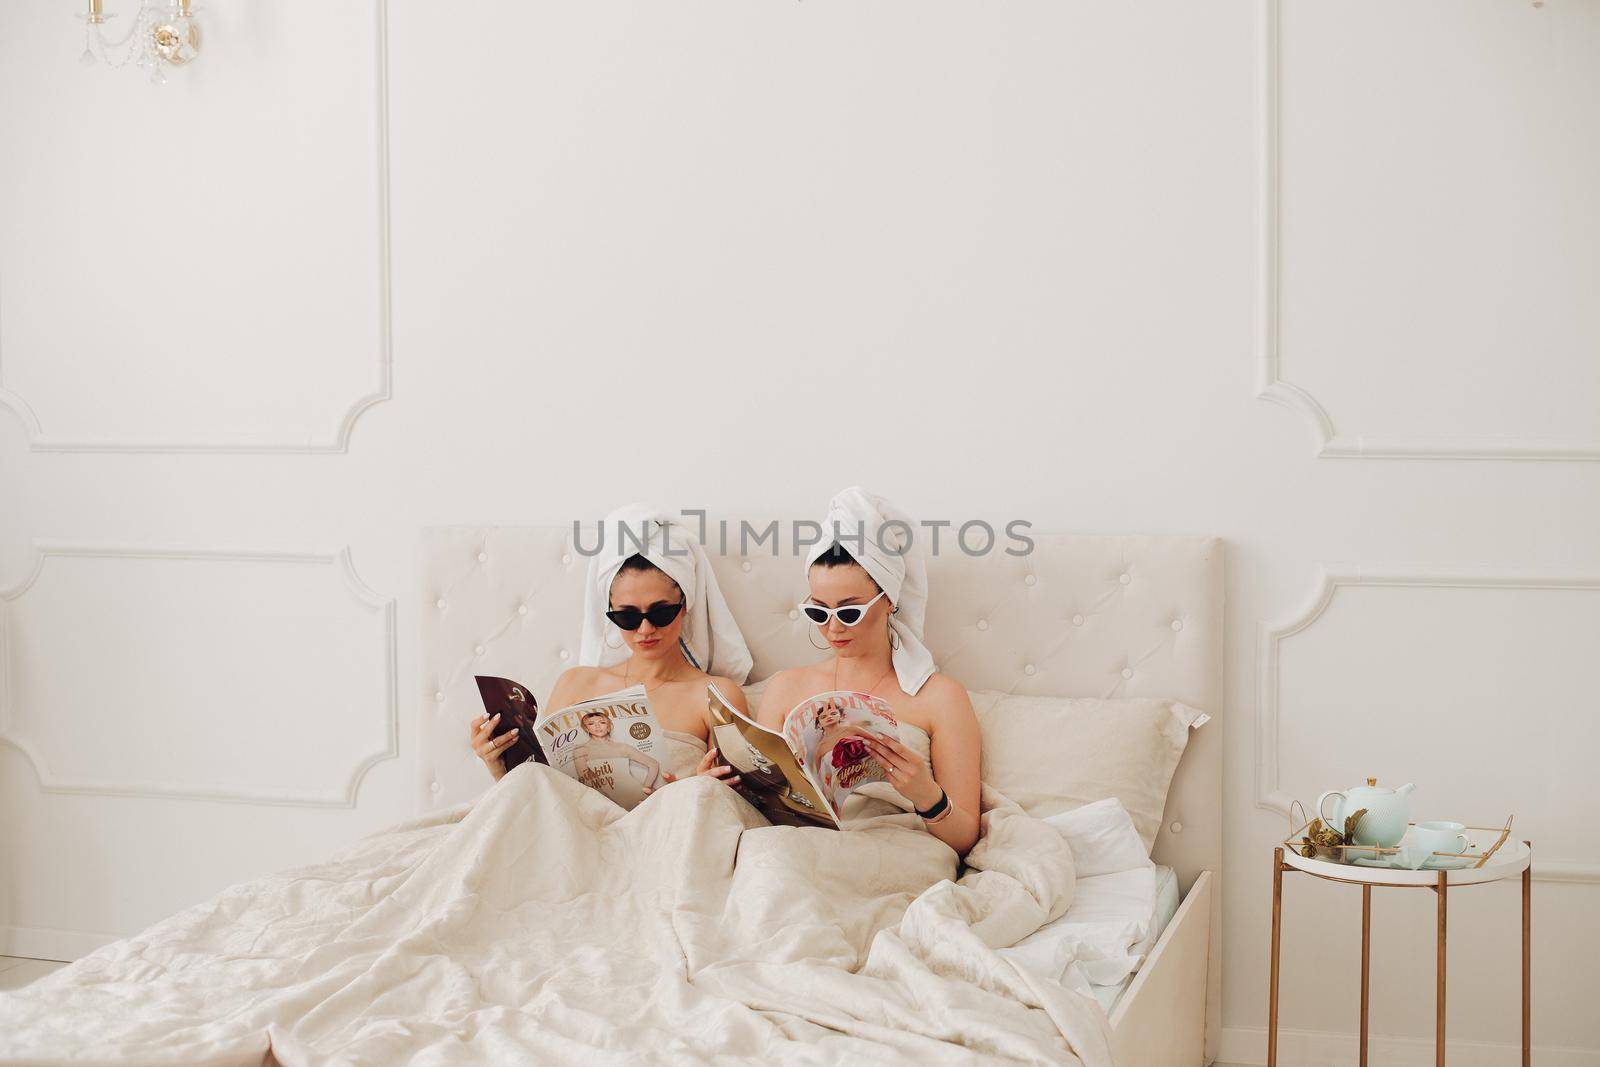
<point>16,972</point>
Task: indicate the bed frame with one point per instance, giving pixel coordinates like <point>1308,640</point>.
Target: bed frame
<point>1103,616</point>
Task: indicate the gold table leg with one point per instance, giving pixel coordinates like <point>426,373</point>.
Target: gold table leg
<point>1527,958</point>
<point>1366,963</point>
<point>1438,1040</point>
<point>1277,927</point>
<point>1441,888</point>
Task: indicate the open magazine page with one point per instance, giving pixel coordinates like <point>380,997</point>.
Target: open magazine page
<point>609,743</point>
<point>826,731</point>
<point>770,776</point>
<point>518,711</point>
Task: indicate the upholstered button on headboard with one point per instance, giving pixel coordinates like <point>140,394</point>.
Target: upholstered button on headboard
<point>1079,616</point>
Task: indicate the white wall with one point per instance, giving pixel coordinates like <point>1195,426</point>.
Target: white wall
<point>995,261</point>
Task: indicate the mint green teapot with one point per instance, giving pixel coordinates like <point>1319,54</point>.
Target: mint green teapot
<point>1387,814</point>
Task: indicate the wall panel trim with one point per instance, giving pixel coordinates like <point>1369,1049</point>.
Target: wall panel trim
<point>339,441</point>
<point>1326,440</point>
<point>337,558</point>
<point>1270,795</point>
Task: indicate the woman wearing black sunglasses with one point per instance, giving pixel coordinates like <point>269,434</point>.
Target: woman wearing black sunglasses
<point>643,632</point>
<point>867,601</point>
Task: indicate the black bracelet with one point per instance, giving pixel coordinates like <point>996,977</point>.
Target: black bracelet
<point>938,807</point>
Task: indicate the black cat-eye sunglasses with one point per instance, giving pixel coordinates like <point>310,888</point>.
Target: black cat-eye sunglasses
<point>632,618</point>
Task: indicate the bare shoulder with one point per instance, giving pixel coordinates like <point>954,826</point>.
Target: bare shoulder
<point>794,684</point>
<point>580,683</point>
<point>945,700</point>
<point>779,685</point>
<point>783,691</point>
<point>729,689</point>
<point>575,678</point>
<point>942,687</point>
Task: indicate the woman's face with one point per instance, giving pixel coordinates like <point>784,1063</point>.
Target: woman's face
<point>828,717</point>
<point>598,726</point>
<point>644,590</point>
<point>837,587</point>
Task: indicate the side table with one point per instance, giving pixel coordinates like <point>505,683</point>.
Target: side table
<point>1508,862</point>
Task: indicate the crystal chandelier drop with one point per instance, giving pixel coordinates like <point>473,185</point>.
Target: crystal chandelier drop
<point>162,35</point>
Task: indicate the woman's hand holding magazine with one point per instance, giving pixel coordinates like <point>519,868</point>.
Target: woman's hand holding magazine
<point>489,748</point>
<point>803,775</point>
<point>502,737</point>
<point>908,774</point>
<point>708,768</point>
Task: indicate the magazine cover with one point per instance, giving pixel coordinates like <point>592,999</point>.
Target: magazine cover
<point>793,777</point>
<point>609,743</point>
<point>518,711</point>
<point>826,731</point>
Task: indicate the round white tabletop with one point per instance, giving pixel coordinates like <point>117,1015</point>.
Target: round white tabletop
<point>1512,859</point>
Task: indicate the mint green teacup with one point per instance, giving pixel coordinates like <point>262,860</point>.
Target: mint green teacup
<point>1440,836</point>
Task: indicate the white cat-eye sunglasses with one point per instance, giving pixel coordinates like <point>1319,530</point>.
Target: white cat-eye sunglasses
<point>850,614</point>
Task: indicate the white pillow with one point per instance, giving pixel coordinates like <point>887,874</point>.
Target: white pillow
<point>1053,754</point>
<point>1102,838</point>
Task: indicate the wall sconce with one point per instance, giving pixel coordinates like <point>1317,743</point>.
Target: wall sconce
<point>163,34</point>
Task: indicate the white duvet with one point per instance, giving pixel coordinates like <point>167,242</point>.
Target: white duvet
<point>544,925</point>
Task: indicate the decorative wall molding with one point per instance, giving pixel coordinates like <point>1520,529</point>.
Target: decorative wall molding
<point>336,558</point>
<point>1270,796</point>
<point>1270,385</point>
<point>339,440</point>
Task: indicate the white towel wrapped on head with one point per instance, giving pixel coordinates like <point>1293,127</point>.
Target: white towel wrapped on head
<point>879,536</point>
<point>711,636</point>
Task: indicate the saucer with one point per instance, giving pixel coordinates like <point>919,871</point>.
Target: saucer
<point>1451,863</point>
<point>1411,858</point>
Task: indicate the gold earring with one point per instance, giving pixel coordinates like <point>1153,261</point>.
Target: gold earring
<point>820,648</point>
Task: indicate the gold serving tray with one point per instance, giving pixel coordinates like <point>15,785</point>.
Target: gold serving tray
<point>1383,856</point>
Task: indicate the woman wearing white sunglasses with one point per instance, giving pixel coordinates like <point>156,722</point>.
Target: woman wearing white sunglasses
<point>868,592</point>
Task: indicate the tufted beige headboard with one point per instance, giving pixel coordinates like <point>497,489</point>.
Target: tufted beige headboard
<point>1079,616</point>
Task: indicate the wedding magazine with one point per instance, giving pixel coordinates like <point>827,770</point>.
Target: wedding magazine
<point>802,775</point>
<point>609,742</point>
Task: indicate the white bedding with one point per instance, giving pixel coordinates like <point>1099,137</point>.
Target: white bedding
<point>1167,901</point>
<point>545,925</point>
<point>1113,923</point>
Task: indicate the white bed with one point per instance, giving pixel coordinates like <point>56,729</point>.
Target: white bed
<point>537,921</point>
<point>1082,615</point>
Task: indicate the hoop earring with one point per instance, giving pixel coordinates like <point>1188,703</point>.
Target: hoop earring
<point>894,642</point>
<point>820,648</point>
<point>607,640</point>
